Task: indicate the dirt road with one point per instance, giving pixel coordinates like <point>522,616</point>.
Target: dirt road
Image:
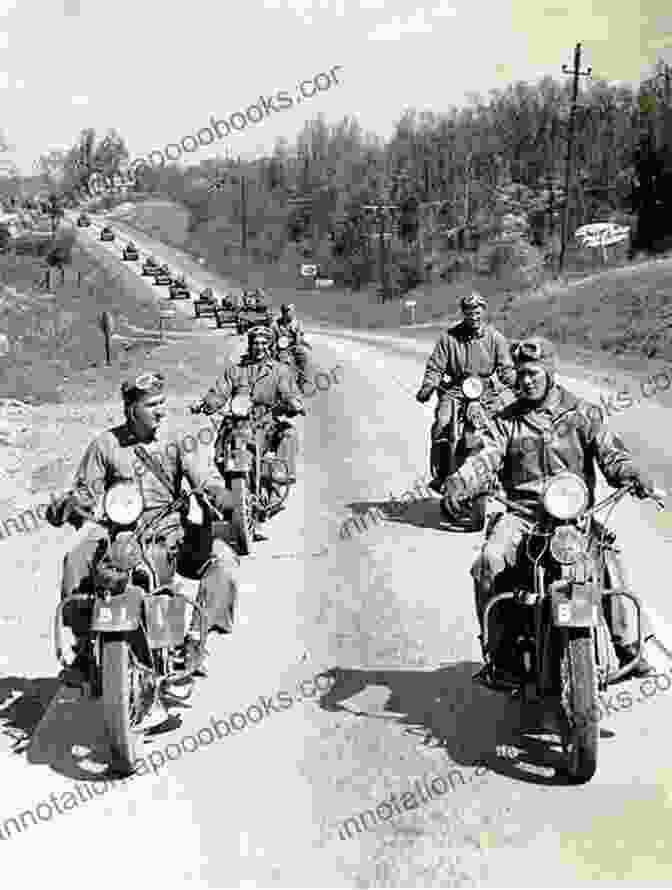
<point>388,615</point>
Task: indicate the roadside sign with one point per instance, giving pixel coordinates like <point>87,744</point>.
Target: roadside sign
<point>308,270</point>
<point>602,234</point>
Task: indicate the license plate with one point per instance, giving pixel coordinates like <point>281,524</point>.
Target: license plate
<point>575,613</point>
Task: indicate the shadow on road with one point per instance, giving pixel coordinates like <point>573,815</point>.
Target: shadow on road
<point>474,725</point>
<point>421,513</point>
<point>23,703</point>
<point>53,725</point>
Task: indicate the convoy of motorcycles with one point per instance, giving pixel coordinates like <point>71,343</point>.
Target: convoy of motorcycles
<point>558,649</point>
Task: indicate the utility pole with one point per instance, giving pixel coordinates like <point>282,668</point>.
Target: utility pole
<point>384,271</point>
<point>243,219</point>
<point>576,73</point>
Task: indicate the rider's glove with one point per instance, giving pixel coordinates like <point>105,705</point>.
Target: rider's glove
<point>294,407</point>
<point>643,486</point>
<point>454,494</point>
<point>55,510</point>
<point>196,408</point>
<point>79,508</point>
<point>424,394</point>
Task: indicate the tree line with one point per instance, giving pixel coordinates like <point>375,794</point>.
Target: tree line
<point>473,165</point>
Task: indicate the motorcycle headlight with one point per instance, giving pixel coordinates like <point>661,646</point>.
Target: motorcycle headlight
<point>241,405</point>
<point>123,503</point>
<point>283,342</point>
<point>565,496</point>
<point>473,387</point>
<point>567,545</point>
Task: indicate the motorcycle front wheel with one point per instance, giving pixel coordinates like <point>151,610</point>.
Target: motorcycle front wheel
<point>121,704</point>
<point>578,678</point>
<point>243,518</point>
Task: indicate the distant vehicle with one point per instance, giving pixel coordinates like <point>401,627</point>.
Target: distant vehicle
<point>162,276</point>
<point>255,310</point>
<point>227,311</point>
<point>83,221</point>
<point>107,234</point>
<point>150,266</point>
<point>130,252</point>
<point>205,303</point>
<point>179,289</point>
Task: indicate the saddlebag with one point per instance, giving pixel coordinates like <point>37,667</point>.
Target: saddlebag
<point>165,615</point>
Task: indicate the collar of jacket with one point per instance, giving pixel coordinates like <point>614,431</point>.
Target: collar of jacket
<point>126,436</point>
<point>466,334</point>
<point>558,401</point>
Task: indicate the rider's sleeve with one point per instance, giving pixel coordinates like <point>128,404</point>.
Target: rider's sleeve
<point>287,388</point>
<point>478,471</point>
<point>437,363</point>
<point>613,457</point>
<point>92,475</point>
<point>503,361</point>
<point>218,395</point>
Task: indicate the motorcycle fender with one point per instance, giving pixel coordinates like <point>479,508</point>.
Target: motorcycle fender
<point>119,614</point>
<point>166,619</point>
<point>575,605</point>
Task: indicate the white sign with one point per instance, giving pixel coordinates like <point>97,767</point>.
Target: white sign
<point>601,234</point>
<point>324,282</point>
<point>308,271</point>
<point>410,303</point>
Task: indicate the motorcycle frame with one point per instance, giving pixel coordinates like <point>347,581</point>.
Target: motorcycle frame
<point>130,617</point>
<point>542,597</point>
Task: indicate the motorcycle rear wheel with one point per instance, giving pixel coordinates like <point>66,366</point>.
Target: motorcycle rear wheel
<point>243,518</point>
<point>578,677</point>
<point>120,697</point>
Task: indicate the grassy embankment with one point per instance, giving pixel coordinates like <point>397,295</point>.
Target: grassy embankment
<point>56,347</point>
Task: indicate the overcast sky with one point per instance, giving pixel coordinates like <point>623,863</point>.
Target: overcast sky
<point>157,70</point>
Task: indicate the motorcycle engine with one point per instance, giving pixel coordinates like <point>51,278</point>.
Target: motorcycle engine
<point>113,569</point>
<point>475,415</point>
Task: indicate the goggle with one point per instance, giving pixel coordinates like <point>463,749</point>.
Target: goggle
<point>147,382</point>
<point>530,351</point>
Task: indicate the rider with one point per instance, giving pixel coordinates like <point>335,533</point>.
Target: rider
<point>131,451</point>
<point>268,382</point>
<point>469,348</point>
<point>548,430</point>
<point>288,325</point>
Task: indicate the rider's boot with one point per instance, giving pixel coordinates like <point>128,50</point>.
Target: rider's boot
<point>193,661</point>
<point>77,673</point>
<point>626,653</point>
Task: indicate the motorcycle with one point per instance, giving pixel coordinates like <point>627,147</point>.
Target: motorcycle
<point>285,351</point>
<point>556,644</point>
<point>256,476</point>
<point>477,405</point>
<point>135,620</point>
